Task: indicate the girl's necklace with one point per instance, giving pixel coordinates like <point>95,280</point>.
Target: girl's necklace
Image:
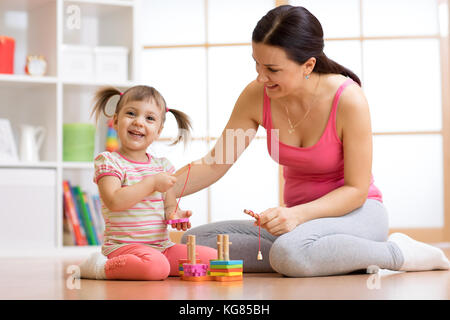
<point>292,129</point>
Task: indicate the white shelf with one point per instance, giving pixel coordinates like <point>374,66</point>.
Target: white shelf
<point>78,165</point>
<point>52,100</point>
<point>20,78</point>
<point>120,3</point>
<point>34,165</point>
<point>17,80</point>
<point>96,83</point>
<point>10,81</point>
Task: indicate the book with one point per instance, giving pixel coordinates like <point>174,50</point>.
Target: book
<point>92,216</point>
<point>98,207</point>
<point>89,229</point>
<point>78,211</point>
<point>71,214</point>
<point>97,219</point>
<point>68,233</point>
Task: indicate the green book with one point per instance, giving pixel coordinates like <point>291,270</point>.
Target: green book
<point>85,216</point>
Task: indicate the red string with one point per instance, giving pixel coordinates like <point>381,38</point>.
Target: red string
<point>184,187</point>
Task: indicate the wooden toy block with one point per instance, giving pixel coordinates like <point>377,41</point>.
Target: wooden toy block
<point>201,278</point>
<point>226,266</point>
<point>252,214</point>
<point>177,221</point>
<point>225,274</point>
<point>223,262</point>
<point>232,278</point>
<point>228,270</point>
<point>195,270</point>
<point>180,265</point>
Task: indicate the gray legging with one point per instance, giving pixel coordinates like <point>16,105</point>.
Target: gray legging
<point>320,247</point>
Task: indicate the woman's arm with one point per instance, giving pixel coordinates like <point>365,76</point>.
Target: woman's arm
<point>235,138</point>
<point>357,148</point>
<point>117,198</point>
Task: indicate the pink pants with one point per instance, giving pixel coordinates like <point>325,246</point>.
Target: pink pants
<point>141,262</point>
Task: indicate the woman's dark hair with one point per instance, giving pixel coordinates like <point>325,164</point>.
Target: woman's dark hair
<point>141,93</point>
<point>300,34</point>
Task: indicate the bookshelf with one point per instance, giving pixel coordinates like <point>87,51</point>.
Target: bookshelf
<point>41,27</point>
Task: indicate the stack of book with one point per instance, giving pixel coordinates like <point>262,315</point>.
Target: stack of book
<point>82,216</point>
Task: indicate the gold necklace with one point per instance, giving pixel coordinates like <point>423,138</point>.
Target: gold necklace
<point>292,129</point>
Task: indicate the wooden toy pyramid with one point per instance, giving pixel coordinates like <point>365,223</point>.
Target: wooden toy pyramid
<point>224,269</point>
<point>193,270</point>
<point>221,269</point>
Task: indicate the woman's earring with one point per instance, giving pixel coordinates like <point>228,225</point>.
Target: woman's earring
<point>307,77</point>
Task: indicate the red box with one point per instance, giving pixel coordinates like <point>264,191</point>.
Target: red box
<point>6,54</point>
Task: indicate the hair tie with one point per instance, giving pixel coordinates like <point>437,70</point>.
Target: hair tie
<point>167,109</point>
<point>121,93</point>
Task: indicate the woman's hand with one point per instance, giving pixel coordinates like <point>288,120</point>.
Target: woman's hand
<point>279,220</point>
<point>180,214</point>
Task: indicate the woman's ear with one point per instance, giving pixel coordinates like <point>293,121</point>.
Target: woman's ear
<point>309,66</point>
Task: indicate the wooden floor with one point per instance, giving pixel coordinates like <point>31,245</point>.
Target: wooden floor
<point>49,278</point>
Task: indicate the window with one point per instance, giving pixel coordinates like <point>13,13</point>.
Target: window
<point>198,54</point>
<point>399,61</point>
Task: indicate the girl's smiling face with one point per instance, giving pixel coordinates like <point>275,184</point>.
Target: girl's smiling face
<point>138,124</point>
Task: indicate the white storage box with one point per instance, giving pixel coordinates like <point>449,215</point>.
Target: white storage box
<point>77,62</point>
<point>28,212</point>
<point>111,63</point>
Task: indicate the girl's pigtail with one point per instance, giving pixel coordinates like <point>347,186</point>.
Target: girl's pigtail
<point>101,99</point>
<point>184,125</point>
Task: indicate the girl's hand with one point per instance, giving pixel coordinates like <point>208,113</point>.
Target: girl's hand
<point>163,181</point>
<point>279,220</point>
<point>180,214</point>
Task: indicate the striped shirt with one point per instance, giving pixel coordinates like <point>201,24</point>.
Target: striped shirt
<point>144,222</point>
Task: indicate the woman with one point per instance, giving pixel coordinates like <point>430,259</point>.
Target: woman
<point>318,128</point>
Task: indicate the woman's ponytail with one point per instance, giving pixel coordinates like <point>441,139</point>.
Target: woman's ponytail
<point>326,65</point>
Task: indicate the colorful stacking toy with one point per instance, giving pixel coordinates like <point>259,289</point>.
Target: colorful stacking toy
<point>224,269</point>
<point>220,269</point>
<point>193,271</point>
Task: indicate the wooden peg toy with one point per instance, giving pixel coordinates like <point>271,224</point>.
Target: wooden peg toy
<point>226,247</point>
<point>252,214</point>
<point>224,269</point>
<point>191,249</point>
<point>193,271</point>
<point>220,247</point>
<point>257,217</point>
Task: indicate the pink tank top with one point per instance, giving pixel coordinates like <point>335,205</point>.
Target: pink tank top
<point>314,171</point>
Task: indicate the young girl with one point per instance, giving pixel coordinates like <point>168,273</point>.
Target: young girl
<point>136,192</point>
